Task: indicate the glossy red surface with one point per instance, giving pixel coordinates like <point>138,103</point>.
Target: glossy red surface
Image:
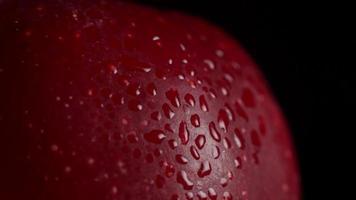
<point>118,101</point>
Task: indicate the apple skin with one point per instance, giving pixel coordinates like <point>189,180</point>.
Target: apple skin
<point>111,100</point>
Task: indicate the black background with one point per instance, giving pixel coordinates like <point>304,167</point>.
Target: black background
<point>306,50</point>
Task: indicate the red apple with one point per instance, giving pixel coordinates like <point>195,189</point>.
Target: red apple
<point>111,100</point>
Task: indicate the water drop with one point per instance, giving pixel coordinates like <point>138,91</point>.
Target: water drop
<point>155,136</point>
<point>168,112</point>
<point>195,120</point>
<point>228,78</point>
<point>237,162</point>
<point>226,143</point>
<point>213,132</point>
<point>189,99</point>
<point>189,196</point>
<point>134,89</point>
<point>227,196</point>
<point>223,182</point>
<point>224,91</point>
<point>229,112</point>
<point>173,96</point>
<point>215,152</point>
<point>156,116</point>
<point>194,152</point>
<point>205,169</point>
<point>210,64</point>
<point>238,139</point>
<point>152,90</point>
<point>183,133</point>
<point>202,195</point>
<point>135,105</point>
<point>223,120</point>
<point>173,144</point>
<point>181,159</point>
<point>203,104</point>
<point>183,179</point>
<point>230,175</point>
<point>200,141</point>
<point>212,194</point>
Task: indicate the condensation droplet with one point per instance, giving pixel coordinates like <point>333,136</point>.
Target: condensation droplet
<point>210,64</point>
<point>183,133</point>
<point>212,194</point>
<point>135,105</point>
<point>173,96</point>
<point>189,196</point>
<point>189,99</point>
<point>181,159</point>
<point>202,195</point>
<point>195,153</point>
<point>215,152</point>
<point>237,162</point>
<point>223,182</point>
<point>226,143</point>
<point>213,132</point>
<point>224,91</point>
<point>227,196</point>
<point>173,144</point>
<point>183,179</point>
<point>155,136</point>
<point>203,104</point>
<point>238,139</point>
<point>152,90</point>
<point>205,169</point>
<point>195,120</point>
<point>223,120</point>
<point>200,141</point>
<point>156,116</point>
<point>168,112</point>
<point>229,112</point>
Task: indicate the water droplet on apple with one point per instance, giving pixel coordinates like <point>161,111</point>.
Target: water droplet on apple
<point>213,132</point>
<point>205,169</point>
<point>195,120</point>
<point>200,141</point>
<point>183,133</point>
<point>155,136</point>
<point>183,179</point>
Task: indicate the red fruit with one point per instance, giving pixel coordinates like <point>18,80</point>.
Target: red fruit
<point>110,100</point>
